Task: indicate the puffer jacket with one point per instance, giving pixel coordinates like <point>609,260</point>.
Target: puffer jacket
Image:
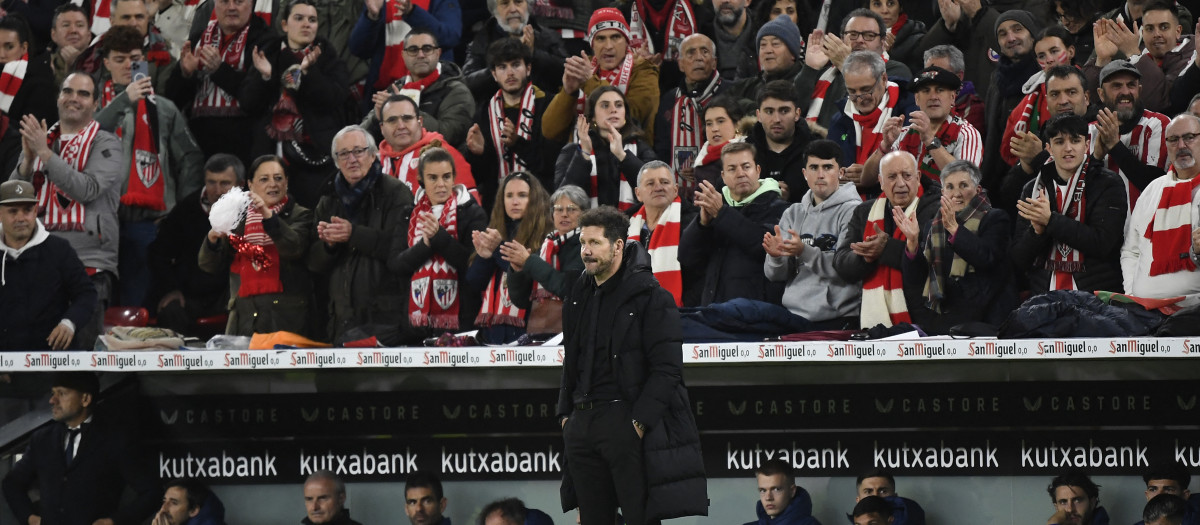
<point>798,511</point>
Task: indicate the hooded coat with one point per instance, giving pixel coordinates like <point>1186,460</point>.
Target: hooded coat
<point>40,285</point>
<point>798,512</point>
<point>646,345</point>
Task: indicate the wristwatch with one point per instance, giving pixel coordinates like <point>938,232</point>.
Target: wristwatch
<point>934,144</point>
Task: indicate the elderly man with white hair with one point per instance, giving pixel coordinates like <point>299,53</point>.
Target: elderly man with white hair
<point>873,249</point>
<point>511,18</point>
<point>355,226</point>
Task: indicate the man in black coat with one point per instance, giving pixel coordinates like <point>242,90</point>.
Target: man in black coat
<point>630,437</point>
<point>80,465</point>
<point>511,19</point>
<point>781,138</point>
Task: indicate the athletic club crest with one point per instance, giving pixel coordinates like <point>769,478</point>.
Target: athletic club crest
<point>420,291</point>
<point>148,169</point>
<point>445,292</point>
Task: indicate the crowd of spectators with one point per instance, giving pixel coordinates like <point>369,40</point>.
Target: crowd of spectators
<point>418,167</point>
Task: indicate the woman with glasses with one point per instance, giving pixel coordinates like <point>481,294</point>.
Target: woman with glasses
<point>436,247</point>
<point>1077,17</point>
<point>298,89</point>
<point>607,153</point>
<point>270,287</point>
<point>536,283</point>
<point>902,35</point>
<point>520,216</point>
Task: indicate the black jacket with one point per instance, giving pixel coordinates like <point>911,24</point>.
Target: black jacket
<point>907,48</point>
<point>38,95</point>
<point>521,284</point>
<point>549,55</point>
<point>40,288</point>
<point>90,487</point>
<point>665,123</point>
<point>786,166</point>
<point>729,251</point>
<point>571,168</point>
<point>172,256</point>
<point>1099,238</point>
<point>645,342</point>
<point>1003,95</point>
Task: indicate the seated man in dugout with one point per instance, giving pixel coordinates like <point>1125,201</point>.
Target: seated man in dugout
<point>1076,500</point>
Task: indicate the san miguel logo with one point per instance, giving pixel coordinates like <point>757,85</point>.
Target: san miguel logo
<point>925,350</point>
<point>181,361</point>
<point>994,349</point>
<point>788,352</point>
<point>380,358</point>
<point>115,361</point>
<point>318,359</point>
<point>444,357</point>
<point>1133,346</point>
<point>718,353</point>
<point>509,355</point>
<point>1062,347</point>
<point>853,350</point>
<point>244,359</point>
<point>46,361</point>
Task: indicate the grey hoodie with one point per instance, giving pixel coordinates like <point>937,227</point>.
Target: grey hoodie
<point>814,290</point>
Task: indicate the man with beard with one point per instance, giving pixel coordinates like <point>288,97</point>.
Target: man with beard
<point>1076,500</point>
<point>1131,13</point>
<point>1014,30</point>
<point>680,119</point>
<point>733,33</point>
<point>1125,136</point>
<point>871,100</point>
<point>437,86</point>
<point>781,137</point>
<point>1161,62</point>
<point>1159,256</point>
<point>510,18</point>
<point>423,500</point>
<point>823,74</point>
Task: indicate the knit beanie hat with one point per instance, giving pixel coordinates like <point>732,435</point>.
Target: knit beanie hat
<point>1024,18</point>
<point>782,28</point>
<point>607,18</point>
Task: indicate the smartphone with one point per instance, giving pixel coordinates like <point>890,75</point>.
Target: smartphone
<point>141,69</point>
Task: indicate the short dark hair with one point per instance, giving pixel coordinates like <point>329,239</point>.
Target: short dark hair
<point>1056,31</point>
<point>95,84</point>
<point>1172,471</point>
<point>223,161</point>
<point>738,147</point>
<point>1162,5</point>
<point>122,39</point>
<point>512,510</point>
<point>287,10</point>
<point>18,25</point>
<point>397,97</point>
<point>422,31</point>
<point>783,90</point>
<point>729,104</point>
<point>507,49</point>
<point>823,149</point>
<point>872,505</point>
<point>435,154</point>
<point>197,493</point>
<point>775,467</point>
<point>1067,71</point>
<point>615,223</point>
<point>424,479</point>
<point>66,7</point>
<point>1068,124</point>
<point>263,159</point>
<point>876,473</point>
<point>864,12</point>
<point>1167,506</point>
<point>1074,477</point>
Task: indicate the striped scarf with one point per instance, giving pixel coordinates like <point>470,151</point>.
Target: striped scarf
<point>10,81</point>
<point>625,198</point>
<point>618,78</point>
<point>938,250</point>
<point>436,274</point>
<point>550,249</point>
<point>394,32</point>
<point>958,137</point>
<point>1147,141</point>
<point>1029,115</point>
<point>688,131</point>
<point>663,247</point>
<point>211,100</point>
<point>1170,230</point>
<point>680,25</point>
<point>100,15</point>
<point>256,258</point>
<point>1071,202</point>
<point>868,129</point>
<point>401,164</point>
<point>60,212</point>
<point>883,289</point>
<point>145,186</point>
<point>498,308</point>
<point>818,94</point>
<point>508,160</point>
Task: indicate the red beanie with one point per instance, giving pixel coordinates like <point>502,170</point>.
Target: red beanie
<point>607,18</point>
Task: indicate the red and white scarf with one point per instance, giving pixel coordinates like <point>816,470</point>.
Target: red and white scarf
<point>10,81</point>
<point>498,308</point>
<point>100,15</point>
<point>1030,115</point>
<point>256,258</point>
<point>818,94</point>
<point>959,138</point>
<point>680,25</point>
<point>688,130</point>
<point>400,164</point>
<point>868,129</point>
<point>1147,141</point>
<point>900,21</point>
<point>1071,202</point>
<point>408,82</point>
<point>1170,229</point>
<point>146,186</point>
<point>211,100</point>
<point>664,247</point>
<point>59,211</point>
<point>508,160</point>
<point>618,78</point>
<point>625,197</point>
<point>883,289</point>
<point>436,277</point>
<point>394,32</point>
<point>551,247</point>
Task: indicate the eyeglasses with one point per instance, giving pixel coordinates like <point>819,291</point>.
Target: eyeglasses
<point>866,36</point>
<point>392,120</point>
<point>413,50</point>
<point>866,92</point>
<point>566,209</point>
<point>357,152</point>
<point>1188,138</point>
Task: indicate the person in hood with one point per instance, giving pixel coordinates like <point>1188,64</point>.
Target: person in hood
<point>725,240</point>
<point>189,502</point>
<point>801,250</point>
<point>630,439</point>
<point>44,289</point>
<point>512,511</point>
<point>1076,500</point>
<point>325,500</point>
<point>780,500</point>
